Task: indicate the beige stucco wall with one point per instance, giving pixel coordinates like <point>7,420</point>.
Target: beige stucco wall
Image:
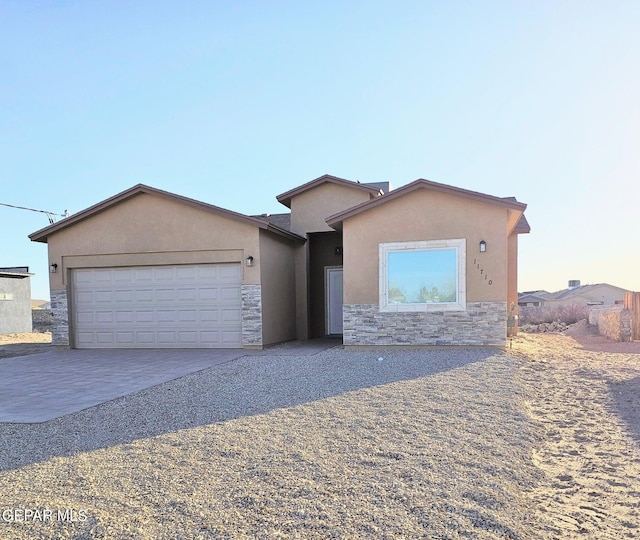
<point>149,230</point>
<point>310,209</point>
<point>278,289</point>
<point>512,277</point>
<point>427,215</point>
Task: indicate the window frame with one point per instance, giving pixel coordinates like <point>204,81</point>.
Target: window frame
<point>459,244</point>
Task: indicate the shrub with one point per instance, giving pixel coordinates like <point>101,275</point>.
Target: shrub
<point>568,314</point>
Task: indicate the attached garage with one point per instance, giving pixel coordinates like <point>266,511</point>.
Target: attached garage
<point>157,306</point>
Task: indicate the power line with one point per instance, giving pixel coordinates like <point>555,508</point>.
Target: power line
<point>49,215</point>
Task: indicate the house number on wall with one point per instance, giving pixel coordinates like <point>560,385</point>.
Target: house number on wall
<point>486,277</point>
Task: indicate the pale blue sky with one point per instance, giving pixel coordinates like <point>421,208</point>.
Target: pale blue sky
<point>233,103</point>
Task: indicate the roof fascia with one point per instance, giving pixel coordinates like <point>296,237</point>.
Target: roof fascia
<point>336,219</point>
<point>17,274</point>
<point>285,198</point>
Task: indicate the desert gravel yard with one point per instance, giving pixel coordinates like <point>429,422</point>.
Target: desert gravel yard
<point>428,443</point>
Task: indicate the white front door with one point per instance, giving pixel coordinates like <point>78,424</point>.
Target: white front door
<point>333,299</point>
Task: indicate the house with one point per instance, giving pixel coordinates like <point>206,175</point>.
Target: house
<point>586,295</point>
<point>425,264</point>
<point>532,298</point>
<point>15,300</point>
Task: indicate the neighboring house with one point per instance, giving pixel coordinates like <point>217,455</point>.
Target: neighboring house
<point>15,300</point>
<point>531,298</point>
<point>425,264</point>
<point>586,295</point>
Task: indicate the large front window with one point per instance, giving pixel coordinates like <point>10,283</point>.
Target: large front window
<point>423,276</point>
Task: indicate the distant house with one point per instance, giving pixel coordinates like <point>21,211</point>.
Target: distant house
<point>15,300</point>
<point>600,294</point>
<point>531,298</point>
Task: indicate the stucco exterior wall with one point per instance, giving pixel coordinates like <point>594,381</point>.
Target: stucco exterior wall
<point>15,305</point>
<point>310,209</point>
<point>427,215</point>
<point>149,230</point>
<point>278,289</point>
<point>512,279</point>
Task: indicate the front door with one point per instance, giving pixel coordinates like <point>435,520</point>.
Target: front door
<point>333,299</point>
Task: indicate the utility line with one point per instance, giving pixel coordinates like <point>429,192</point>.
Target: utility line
<point>49,215</point>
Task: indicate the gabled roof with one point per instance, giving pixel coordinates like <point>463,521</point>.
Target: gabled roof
<point>530,297</point>
<point>285,198</point>
<point>279,220</point>
<point>522,227</point>
<point>511,203</point>
<point>43,234</point>
<point>581,290</point>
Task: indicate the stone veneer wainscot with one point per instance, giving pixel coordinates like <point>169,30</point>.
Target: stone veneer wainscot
<point>60,319</point>
<point>251,315</point>
<point>482,323</point>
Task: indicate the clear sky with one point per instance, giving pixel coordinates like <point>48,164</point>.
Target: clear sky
<point>235,102</point>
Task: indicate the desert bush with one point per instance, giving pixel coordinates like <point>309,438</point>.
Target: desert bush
<point>568,314</point>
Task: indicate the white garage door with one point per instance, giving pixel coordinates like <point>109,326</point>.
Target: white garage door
<point>157,306</point>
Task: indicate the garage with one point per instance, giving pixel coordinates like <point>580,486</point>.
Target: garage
<point>176,306</point>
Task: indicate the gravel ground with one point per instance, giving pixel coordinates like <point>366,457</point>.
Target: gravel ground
<point>539,441</point>
<point>421,444</point>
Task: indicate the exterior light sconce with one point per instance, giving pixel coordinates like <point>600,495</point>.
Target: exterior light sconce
<point>483,246</point>
<point>53,268</point>
<point>249,260</point>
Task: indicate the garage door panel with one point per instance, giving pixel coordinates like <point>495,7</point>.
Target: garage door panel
<point>84,317</point>
<point>187,273</point>
<point>102,296</point>
<point>143,275</point>
<point>187,295</point>
<point>144,316</point>
<point>230,272</point>
<point>124,317</point>
<point>104,317</point>
<point>125,338</point>
<point>188,316</point>
<point>179,306</point>
<point>208,293</point>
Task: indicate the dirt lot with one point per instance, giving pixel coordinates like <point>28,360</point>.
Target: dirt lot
<point>23,344</point>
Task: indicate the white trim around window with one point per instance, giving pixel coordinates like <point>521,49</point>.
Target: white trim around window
<point>427,275</point>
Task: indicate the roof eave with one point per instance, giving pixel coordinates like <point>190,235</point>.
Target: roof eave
<point>509,203</point>
<point>285,198</point>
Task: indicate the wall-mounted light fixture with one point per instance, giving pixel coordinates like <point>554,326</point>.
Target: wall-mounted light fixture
<point>249,260</point>
<point>483,246</point>
<point>53,268</point>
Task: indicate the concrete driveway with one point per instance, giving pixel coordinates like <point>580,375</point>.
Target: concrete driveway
<point>40,387</point>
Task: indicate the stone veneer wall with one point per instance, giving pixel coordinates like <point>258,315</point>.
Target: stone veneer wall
<point>251,315</point>
<point>60,318</point>
<point>613,322</point>
<point>483,323</point>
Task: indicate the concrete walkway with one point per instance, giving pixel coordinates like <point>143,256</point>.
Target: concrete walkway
<point>41,387</point>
